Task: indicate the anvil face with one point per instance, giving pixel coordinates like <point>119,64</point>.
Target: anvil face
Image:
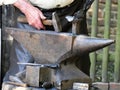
<point>51,47</point>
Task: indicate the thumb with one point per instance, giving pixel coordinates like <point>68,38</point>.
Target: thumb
<point>42,16</point>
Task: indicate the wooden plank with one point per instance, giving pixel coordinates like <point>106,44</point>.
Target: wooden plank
<point>106,86</point>
<point>93,34</point>
<point>106,35</point>
<point>100,86</point>
<point>6,86</point>
<point>117,51</point>
<point>114,86</point>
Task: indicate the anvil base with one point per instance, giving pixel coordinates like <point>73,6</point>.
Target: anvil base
<point>62,79</point>
<point>6,86</point>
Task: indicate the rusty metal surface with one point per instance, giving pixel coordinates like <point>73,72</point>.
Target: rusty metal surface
<point>56,22</point>
<point>63,77</point>
<point>69,74</point>
<point>76,27</point>
<point>43,46</point>
<point>51,47</point>
<point>85,44</point>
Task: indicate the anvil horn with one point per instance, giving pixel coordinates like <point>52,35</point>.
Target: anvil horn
<point>85,44</point>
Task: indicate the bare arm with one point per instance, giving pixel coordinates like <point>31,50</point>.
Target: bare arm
<point>33,14</point>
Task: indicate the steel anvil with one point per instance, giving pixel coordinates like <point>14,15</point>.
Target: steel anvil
<point>59,53</point>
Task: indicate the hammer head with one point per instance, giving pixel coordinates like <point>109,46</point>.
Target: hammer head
<point>56,22</point>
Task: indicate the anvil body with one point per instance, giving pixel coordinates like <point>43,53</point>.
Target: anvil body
<point>62,49</point>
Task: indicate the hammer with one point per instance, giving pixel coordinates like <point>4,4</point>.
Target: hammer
<point>55,21</point>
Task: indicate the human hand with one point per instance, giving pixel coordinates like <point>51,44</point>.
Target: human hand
<point>34,15</point>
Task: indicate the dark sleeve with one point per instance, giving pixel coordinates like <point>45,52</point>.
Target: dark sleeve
<point>71,10</point>
<point>0,16</point>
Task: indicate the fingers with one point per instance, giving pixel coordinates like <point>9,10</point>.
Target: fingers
<point>33,14</point>
<point>35,17</point>
<point>40,25</point>
<point>41,15</point>
<point>37,23</point>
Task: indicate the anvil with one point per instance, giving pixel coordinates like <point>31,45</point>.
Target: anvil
<point>49,47</point>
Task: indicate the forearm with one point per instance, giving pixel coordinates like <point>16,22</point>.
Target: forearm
<point>23,5</point>
<point>33,14</point>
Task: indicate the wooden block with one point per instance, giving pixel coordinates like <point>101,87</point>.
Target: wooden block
<point>37,74</point>
<point>100,86</point>
<point>32,76</point>
<point>6,86</point>
<point>114,86</point>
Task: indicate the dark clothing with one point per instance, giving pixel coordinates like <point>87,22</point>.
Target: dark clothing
<point>69,10</point>
<point>0,16</point>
